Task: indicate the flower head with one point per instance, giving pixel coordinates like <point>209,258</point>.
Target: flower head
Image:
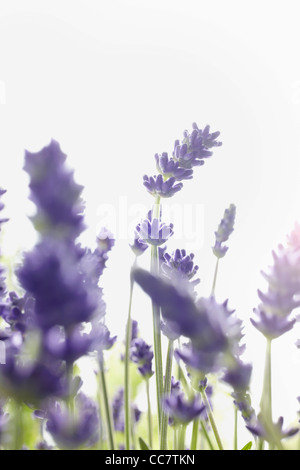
<point>154,232</point>
<point>180,410</point>
<point>168,168</point>
<point>195,146</point>
<point>224,230</point>
<point>71,431</point>
<point>158,187</point>
<point>54,192</point>
<point>141,354</point>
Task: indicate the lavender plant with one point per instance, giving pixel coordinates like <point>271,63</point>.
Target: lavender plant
<point>56,316</point>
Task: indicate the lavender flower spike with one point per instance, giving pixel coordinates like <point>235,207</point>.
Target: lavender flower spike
<point>182,411</point>
<point>154,232</point>
<point>224,230</point>
<point>195,146</point>
<point>141,353</point>
<point>158,187</point>
<point>168,168</point>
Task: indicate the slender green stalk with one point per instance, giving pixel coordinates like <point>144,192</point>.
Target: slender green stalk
<point>195,433</point>
<point>106,406</point>
<point>215,278</point>
<point>235,437</point>
<point>18,426</point>
<point>167,390</point>
<point>266,400</point>
<point>212,420</point>
<point>181,439</point>
<point>206,435</point>
<point>127,369</point>
<point>149,415</point>
<point>156,323</point>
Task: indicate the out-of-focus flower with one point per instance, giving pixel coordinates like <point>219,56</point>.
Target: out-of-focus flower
<point>193,149</point>
<point>156,185</point>
<point>73,430</point>
<point>142,355</point>
<point>2,278</point>
<point>282,297</point>
<point>224,230</point>
<point>118,411</point>
<point>258,429</point>
<point>63,296</point>
<point>138,246</point>
<point>180,410</point>
<point>54,192</point>
<point>18,312</point>
<point>168,168</point>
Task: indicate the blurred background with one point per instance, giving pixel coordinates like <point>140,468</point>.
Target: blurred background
<point>116,81</point>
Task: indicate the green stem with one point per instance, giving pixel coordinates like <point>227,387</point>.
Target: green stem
<point>212,420</point>
<point>215,278</point>
<point>205,433</point>
<point>149,415</point>
<point>181,440</point>
<point>235,437</point>
<point>106,407</point>
<point>156,323</point>
<point>195,433</point>
<point>167,390</point>
<point>18,426</point>
<point>127,369</point>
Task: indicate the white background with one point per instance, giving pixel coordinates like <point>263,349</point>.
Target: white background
<point>115,82</point>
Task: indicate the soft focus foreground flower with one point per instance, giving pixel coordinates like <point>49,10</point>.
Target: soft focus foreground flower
<point>180,265</point>
<point>194,147</point>
<point>224,230</point>
<point>282,297</point>
<point>2,278</point>
<point>54,192</point>
<point>181,410</point>
<point>62,294</point>
<point>71,430</point>
<point>259,430</point>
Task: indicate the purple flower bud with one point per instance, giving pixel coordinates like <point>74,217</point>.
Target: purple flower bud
<point>142,355</point>
<point>71,431</point>
<point>54,192</point>
<point>158,187</point>
<point>194,147</point>
<point>182,411</point>
<point>168,168</point>
<point>224,230</point>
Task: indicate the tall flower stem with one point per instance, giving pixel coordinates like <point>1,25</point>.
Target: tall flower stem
<point>18,426</point>
<point>211,419</point>
<point>127,367</point>
<point>156,323</point>
<point>106,406</point>
<point>181,439</point>
<point>167,390</point>
<point>205,433</point>
<point>149,414</point>
<point>266,399</point>
<point>195,433</point>
<point>235,434</point>
<point>215,277</point>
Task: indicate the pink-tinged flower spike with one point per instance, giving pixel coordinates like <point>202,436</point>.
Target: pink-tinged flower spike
<point>194,148</point>
<point>282,297</point>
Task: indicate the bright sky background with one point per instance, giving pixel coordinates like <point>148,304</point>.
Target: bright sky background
<point>115,82</point>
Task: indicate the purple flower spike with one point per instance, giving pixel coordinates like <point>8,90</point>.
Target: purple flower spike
<point>182,411</point>
<point>54,192</point>
<point>224,230</point>
<point>168,168</point>
<point>73,431</point>
<point>180,265</point>
<point>258,429</point>
<point>158,187</point>
<point>141,354</point>
<point>282,297</point>
<point>154,232</point>
<point>194,147</point>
